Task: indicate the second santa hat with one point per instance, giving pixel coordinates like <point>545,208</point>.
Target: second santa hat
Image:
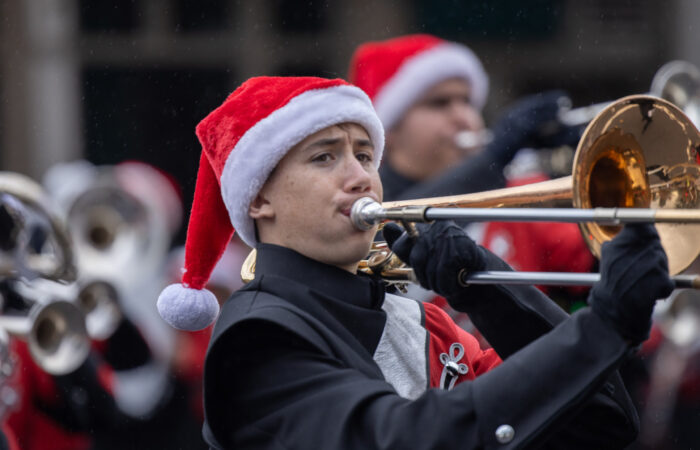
<point>242,142</point>
<point>396,72</point>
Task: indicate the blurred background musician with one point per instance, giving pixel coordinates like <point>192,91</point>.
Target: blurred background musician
<point>429,94</point>
<point>122,219</point>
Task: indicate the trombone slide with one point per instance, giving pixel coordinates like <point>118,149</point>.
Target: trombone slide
<point>366,213</point>
<point>402,275</point>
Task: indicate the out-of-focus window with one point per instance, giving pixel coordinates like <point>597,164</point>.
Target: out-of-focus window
<point>150,115</point>
<point>294,16</point>
<point>108,16</point>
<point>201,15</point>
<point>489,20</point>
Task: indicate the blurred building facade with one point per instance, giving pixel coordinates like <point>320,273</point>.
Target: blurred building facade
<point>116,80</point>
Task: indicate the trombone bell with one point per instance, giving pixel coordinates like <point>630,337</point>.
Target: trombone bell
<point>640,151</point>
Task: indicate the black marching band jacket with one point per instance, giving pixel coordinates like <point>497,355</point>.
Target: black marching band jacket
<point>308,356</point>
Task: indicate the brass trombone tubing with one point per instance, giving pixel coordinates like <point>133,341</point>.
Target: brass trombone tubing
<point>555,192</point>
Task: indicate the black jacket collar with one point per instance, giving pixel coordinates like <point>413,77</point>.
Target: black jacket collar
<point>359,290</point>
<point>348,303</point>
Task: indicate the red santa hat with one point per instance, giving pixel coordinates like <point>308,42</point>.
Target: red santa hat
<point>242,142</point>
<point>396,72</point>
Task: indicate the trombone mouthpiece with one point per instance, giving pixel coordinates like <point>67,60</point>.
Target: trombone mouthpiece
<point>470,140</point>
<point>364,213</point>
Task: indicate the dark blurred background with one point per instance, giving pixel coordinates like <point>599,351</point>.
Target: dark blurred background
<point>130,79</point>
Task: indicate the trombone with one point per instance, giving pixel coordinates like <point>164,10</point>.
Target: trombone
<point>637,161</point>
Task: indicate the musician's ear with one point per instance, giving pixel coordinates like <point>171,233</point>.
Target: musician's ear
<point>260,208</point>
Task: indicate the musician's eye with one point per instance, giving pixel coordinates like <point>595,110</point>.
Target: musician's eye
<point>444,101</point>
<point>437,102</point>
<point>364,157</point>
<point>323,157</point>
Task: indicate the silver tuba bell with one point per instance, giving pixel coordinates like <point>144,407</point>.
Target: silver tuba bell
<point>35,248</point>
<point>121,222</point>
<point>36,242</point>
<point>55,333</point>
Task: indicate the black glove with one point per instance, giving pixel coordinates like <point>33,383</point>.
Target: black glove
<point>532,122</point>
<point>633,275</point>
<point>437,255</point>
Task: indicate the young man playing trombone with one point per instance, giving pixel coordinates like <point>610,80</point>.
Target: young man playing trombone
<point>312,355</point>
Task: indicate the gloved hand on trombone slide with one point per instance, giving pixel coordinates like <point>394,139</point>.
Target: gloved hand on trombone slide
<point>634,274</point>
<point>634,270</point>
<point>437,255</point>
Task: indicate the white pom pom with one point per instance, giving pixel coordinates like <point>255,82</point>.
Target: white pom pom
<point>187,309</point>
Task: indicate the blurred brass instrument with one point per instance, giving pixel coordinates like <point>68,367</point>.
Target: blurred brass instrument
<point>36,247</point>
<point>111,235</point>
<point>108,226</point>
<point>119,223</point>
<point>37,244</point>
<point>55,333</point>
<point>99,301</point>
<point>676,81</point>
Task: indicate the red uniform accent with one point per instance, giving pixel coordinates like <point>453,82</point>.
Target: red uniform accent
<point>33,429</point>
<point>443,332</point>
<point>651,345</point>
<point>189,365</point>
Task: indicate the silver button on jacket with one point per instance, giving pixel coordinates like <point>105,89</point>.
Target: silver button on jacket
<point>505,434</point>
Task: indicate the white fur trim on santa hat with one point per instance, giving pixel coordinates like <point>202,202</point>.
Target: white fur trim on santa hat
<point>424,70</point>
<point>263,145</point>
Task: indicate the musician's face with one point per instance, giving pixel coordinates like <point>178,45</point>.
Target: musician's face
<point>423,144</point>
<point>305,203</point>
